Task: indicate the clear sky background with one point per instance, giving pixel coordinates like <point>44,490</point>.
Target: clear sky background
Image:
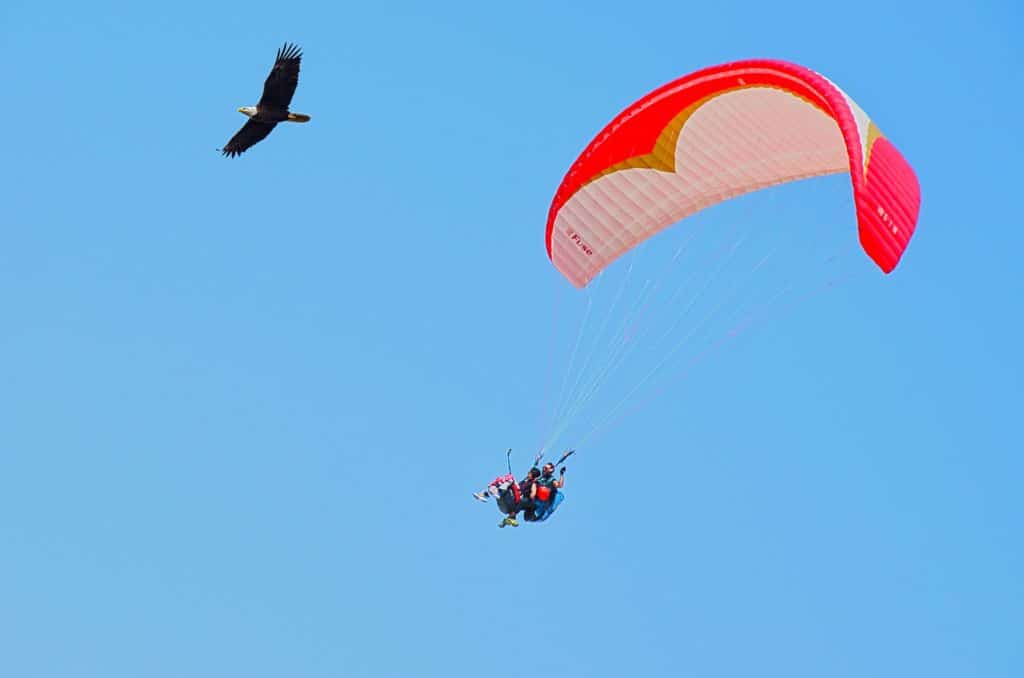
<point>243,402</point>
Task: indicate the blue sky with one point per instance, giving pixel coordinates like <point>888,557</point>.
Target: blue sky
<point>245,401</point>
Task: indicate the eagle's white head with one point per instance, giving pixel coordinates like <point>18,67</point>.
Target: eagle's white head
<point>248,110</point>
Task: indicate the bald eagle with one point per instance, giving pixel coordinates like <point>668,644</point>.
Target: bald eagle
<point>273,105</point>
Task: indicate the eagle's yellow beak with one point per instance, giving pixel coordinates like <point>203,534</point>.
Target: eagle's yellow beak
<point>241,110</point>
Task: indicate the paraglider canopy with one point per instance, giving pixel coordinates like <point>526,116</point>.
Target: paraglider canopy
<point>715,134</point>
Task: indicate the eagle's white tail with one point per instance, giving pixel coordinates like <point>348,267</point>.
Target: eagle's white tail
<point>298,117</point>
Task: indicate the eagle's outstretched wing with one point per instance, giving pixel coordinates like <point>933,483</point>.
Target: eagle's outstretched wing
<point>283,79</point>
<point>251,133</point>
